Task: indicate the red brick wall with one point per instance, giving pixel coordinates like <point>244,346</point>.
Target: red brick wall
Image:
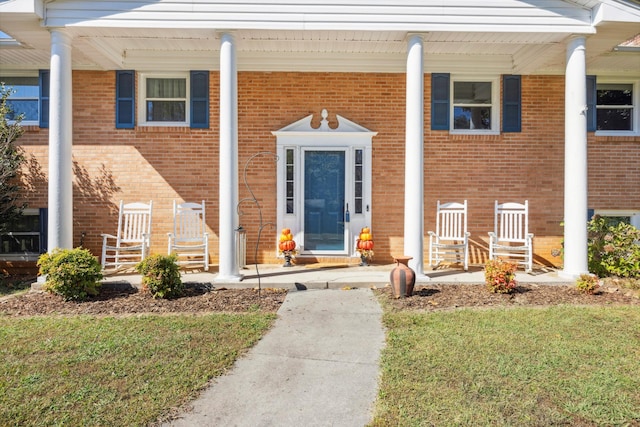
<point>163,164</point>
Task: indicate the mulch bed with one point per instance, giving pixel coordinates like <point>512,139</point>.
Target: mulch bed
<point>203,298</point>
<point>197,299</point>
<point>453,296</point>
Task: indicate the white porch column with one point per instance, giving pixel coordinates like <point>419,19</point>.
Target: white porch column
<point>228,268</point>
<point>414,156</point>
<point>575,161</point>
<point>60,223</point>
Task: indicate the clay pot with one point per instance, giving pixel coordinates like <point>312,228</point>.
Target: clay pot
<point>402,277</point>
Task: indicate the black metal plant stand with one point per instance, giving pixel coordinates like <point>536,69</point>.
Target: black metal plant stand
<point>253,200</point>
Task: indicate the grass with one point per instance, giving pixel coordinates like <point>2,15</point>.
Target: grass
<point>527,367</point>
<point>129,371</point>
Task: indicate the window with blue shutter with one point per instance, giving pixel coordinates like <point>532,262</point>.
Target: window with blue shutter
<point>125,99</point>
<point>43,76</point>
<point>591,104</point>
<point>511,103</point>
<point>440,101</point>
<point>200,99</point>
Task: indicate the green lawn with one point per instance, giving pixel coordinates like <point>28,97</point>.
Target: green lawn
<point>526,367</point>
<point>94,371</point>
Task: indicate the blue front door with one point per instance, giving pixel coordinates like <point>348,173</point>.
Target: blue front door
<point>324,200</point>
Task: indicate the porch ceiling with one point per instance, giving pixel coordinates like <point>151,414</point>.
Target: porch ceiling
<point>102,48</point>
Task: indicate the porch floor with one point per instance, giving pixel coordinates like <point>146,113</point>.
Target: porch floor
<point>327,276</point>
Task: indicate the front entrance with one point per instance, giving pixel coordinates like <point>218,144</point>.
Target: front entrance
<point>324,201</point>
<point>324,185</point>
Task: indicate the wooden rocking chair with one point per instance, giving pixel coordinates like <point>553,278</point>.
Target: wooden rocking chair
<point>131,244</point>
<point>189,239</point>
<point>450,241</point>
<point>511,238</point>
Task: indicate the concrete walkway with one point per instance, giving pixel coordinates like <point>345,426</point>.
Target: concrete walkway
<point>318,366</point>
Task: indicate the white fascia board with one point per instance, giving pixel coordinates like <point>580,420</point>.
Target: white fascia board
<point>331,26</point>
<point>32,7</point>
<point>615,12</point>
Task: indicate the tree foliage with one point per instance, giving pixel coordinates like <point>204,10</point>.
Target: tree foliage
<point>11,159</point>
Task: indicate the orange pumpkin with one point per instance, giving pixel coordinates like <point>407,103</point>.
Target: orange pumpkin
<point>367,245</point>
<point>287,245</point>
<point>289,236</point>
<point>365,230</point>
<point>286,231</point>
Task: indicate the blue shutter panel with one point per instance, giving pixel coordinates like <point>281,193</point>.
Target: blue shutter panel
<point>511,103</point>
<point>43,225</point>
<point>440,101</point>
<point>591,104</point>
<point>43,83</point>
<point>200,99</point>
<point>125,99</point>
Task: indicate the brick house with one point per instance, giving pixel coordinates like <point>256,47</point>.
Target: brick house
<point>388,106</point>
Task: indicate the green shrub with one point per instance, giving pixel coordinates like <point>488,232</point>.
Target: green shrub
<point>161,276</point>
<point>613,249</point>
<point>71,273</point>
<point>500,276</point>
<point>588,283</point>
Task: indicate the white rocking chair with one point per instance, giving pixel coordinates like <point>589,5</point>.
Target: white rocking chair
<point>189,239</point>
<point>131,244</point>
<point>450,241</point>
<point>511,238</point>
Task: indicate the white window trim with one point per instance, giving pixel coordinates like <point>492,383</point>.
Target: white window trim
<point>23,74</point>
<point>496,101</point>
<point>636,108</point>
<point>142,96</point>
<point>633,214</point>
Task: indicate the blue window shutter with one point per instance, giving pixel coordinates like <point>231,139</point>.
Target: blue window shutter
<point>440,101</point>
<point>43,76</point>
<point>511,103</point>
<point>591,104</point>
<point>43,220</point>
<point>200,99</point>
<point>125,99</point>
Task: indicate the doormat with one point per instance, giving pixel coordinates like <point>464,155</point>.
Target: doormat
<point>325,265</point>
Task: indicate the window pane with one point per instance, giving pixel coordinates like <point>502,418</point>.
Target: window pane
<point>289,172</point>
<point>359,157</point>
<point>290,189</point>
<point>19,244</point>
<point>358,189</point>
<point>166,111</point>
<point>358,173</point>
<point>472,93</point>
<point>166,88</point>
<point>615,119</point>
<point>27,107</point>
<point>615,94</point>
<point>472,118</point>
<point>24,97</point>
<point>25,223</point>
<point>358,205</point>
